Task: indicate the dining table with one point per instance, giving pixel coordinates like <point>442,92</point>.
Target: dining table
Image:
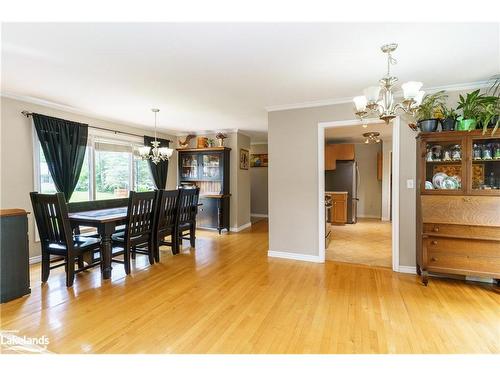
<point>105,220</point>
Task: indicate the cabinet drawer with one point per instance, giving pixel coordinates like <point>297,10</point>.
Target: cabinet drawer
<point>472,248</point>
<point>469,265</point>
<point>463,231</point>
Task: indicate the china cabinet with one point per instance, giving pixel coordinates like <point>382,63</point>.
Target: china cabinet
<point>208,168</point>
<point>458,204</point>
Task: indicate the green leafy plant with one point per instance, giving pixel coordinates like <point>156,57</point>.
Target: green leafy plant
<point>432,106</point>
<point>480,107</point>
<point>449,112</point>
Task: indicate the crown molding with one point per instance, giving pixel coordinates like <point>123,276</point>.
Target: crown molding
<point>344,100</point>
<point>76,111</point>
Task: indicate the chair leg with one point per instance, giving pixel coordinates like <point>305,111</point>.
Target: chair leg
<point>151,253</point>
<point>192,235</point>
<point>45,266</point>
<point>80,261</point>
<point>156,249</point>
<point>175,243</point>
<point>70,271</point>
<point>126,259</point>
<point>133,252</point>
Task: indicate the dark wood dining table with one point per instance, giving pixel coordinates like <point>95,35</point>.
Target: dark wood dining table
<point>105,221</point>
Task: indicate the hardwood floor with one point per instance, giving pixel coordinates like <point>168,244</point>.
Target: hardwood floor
<point>227,296</point>
<point>367,242</point>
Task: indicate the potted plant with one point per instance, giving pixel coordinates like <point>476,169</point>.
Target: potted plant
<point>449,119</point>
<point>494,90</point>
<point>489,113</point>
<point>430,111</point>
<point>471,106</point>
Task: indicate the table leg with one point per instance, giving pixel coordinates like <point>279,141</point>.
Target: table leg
<point>106,251</point>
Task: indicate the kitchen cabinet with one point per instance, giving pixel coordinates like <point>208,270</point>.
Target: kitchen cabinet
<point>338,213</point>
<point>334,152</point>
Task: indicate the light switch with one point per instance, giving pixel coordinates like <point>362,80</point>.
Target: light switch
<point>409,184</point>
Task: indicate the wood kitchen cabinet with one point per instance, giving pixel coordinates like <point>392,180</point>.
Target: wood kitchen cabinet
<point>334,152</point>
<point>338,215</point>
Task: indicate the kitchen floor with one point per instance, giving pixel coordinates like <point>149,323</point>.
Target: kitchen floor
<point>367,242</point>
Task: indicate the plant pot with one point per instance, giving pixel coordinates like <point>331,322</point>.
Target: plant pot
<point>467,124</point>
<point>429,125</point>
<point>493,122</point>
<point>448,124</point>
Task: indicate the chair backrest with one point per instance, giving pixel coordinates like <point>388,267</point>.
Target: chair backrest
<point>188,204</point>
<point>141,213</point>
<point>51,215</point>
<point>167,209</point>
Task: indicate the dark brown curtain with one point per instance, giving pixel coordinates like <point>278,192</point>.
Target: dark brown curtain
<point>158,171</point>
<point>63,144</point>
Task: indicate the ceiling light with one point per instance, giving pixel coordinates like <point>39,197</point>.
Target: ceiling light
<point>384,105</point>
<point>372,137</point>
<point>155,153</point>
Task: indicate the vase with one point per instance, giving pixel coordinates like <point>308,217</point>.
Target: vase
<point>448,124</point>
<point>429,125</point>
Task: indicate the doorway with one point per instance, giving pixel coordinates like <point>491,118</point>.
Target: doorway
<point>363,186</point>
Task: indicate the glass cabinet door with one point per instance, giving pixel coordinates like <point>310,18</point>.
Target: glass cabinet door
<point>444,166</point>
<point>211,166</point>
<point>189,166</point>
<point>485,170</point>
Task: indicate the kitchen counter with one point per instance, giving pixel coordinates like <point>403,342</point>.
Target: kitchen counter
<point>336,192</point>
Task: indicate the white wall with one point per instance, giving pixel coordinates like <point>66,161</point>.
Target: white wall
<point>16,154</point>
<point>259,183</point>
<point>386,179</point>
<point>370,188</point>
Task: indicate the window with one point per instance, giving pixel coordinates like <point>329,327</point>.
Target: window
<point>109,170</point>
<point>47,186</point>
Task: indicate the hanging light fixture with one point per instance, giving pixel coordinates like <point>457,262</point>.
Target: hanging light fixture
<point>155,153</point>
<point>372,137</point>
<point>380,99</point>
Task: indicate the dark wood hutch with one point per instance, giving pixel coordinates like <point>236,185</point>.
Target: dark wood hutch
<point>208,168</point>
<point>458,204</point>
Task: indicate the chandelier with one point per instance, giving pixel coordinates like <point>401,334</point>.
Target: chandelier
<point>372,137</point>
<point>155,153</point>
<point>379,99</point>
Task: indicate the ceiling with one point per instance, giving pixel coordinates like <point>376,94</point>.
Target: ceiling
<point>214,76</point>
<point>354,133</point>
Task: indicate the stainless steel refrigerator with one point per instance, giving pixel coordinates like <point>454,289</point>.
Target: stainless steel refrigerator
<point>345,178</point>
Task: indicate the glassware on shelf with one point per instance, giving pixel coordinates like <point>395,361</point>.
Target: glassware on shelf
<point>456,152</point>
<point>496,151</point>
<point>436,152</point>
<point>487,152</point>
<point>476,152</point>
<point>447,155</point>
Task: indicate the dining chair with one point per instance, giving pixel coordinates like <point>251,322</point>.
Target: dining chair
<point>138,236</point>
<point>56,237</point>
<point>166,221</point>
<point>188,208</point>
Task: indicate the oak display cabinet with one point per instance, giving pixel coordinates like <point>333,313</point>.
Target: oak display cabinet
<point>458,204</point>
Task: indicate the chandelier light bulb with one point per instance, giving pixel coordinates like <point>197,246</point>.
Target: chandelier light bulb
<point>411,89</point>
<point>360,103</point>
<point>372,93</point>
<point>419,97</point>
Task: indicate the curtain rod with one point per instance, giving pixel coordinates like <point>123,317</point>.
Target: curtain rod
<point>28,114</point>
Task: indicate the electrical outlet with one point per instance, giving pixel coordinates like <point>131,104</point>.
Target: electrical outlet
<point>409,184</point>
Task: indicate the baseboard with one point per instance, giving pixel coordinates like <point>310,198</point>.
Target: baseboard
<point>35,259</point>
<point>369,217</point>
<point>259,215</point>
<point>241,227</point>
<point>295,256</point>
<point>407,269</point>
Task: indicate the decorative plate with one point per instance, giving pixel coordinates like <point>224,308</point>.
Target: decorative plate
<point>437,180</point>
<point>428,185</point>
<point>449,183</point>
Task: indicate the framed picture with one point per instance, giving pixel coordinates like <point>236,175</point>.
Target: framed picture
<point>258,160</point>
<point>244,158</point>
